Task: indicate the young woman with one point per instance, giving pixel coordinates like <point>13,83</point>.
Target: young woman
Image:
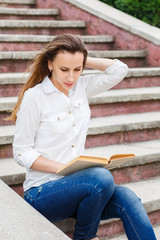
<point>52,116</point>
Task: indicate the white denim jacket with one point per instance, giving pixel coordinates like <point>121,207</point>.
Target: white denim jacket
<point>55,126</point>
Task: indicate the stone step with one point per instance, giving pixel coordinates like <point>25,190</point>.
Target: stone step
<point>11,83</point>
<point>23,13</point>
<point>149,193</point>
<point>138,77</point>
<point>102,54</point>
<point>14,61</point>
<point>125,101</point>
<point>43,27</point>
<point>32,2</point>
<point>123,236</point>
<point>147,154</point>
<point>22,222</point>
<point>33,42</point>
<point>145,165</point>
<point>10,172</point>
<point>123,128</point>
<point>133,58</point>
<point>18,3</point>
<point>103,131</point>
<point>113,102</point>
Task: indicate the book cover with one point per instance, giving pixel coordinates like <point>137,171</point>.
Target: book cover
<point>83,162</point>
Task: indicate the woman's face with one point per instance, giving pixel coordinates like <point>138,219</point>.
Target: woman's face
<point>66,69</point>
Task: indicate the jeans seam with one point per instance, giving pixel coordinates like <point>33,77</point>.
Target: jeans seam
<point>69,188</point>
<point>123,209</point>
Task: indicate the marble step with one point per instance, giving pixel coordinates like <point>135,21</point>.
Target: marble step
<point>113,102</point>
<point>136,77</point>
<point>111,96</point>
<point>15,61</point>
<point>124,237</point>
<point>28,2</point>
<point>147,160</point>
<point>12,42</point>
<point>41,38</point>
<point>103,131</point>
<point>126,122</point>
<point>29,55</point>
<point>42,27</point>
<point>11,13</point>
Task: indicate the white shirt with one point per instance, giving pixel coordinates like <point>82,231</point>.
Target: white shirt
<point>55,126</point>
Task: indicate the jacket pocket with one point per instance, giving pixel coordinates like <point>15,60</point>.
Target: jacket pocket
<point>60,123</point>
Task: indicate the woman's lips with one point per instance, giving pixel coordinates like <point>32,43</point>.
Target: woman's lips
<point>68,84</point>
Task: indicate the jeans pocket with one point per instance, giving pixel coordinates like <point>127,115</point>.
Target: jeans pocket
<point>32,194</point>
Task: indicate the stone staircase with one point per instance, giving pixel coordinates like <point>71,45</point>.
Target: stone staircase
<point>125,119</point>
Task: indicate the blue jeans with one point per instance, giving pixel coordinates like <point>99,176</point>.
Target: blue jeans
<point>89,196</point>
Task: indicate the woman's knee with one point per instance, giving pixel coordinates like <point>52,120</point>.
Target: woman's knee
<point>102,179</point>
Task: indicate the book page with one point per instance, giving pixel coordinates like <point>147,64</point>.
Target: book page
<point>119,161</point>
<point>121,155</point>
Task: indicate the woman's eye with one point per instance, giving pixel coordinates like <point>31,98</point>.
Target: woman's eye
<point>78,69</point>
<point>63,70</point>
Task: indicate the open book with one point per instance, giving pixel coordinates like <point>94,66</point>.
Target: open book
<point>83,162</point>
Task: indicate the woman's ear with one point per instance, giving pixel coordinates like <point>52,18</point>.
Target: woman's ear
<point>50,67</point>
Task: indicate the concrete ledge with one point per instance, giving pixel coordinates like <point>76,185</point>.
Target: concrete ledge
<point>10,172</point>
<point>19,1</point>
<point>101,125</point>
<point>6,134</point>
<point>20,78</point>
<point>7,104</point>
<point>41,24</point>
<point>123,237</point>
<point>119,19</point>
<point>102,54</point>
<point>22,222</point>
<point>126,95</point>
<point>147,152</point>
<point>20,11</point>
<point>122,123</point>
<point>112,96</point>
<point>44,38</point>
<point>133,72</point>
<point>13,78</point>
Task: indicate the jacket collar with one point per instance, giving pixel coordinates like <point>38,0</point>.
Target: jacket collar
<point>48,86</point>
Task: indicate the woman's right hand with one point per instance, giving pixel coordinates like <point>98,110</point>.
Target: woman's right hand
<point>43,164</point>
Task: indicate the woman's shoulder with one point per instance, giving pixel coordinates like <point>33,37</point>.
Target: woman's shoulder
<point>34,91</point>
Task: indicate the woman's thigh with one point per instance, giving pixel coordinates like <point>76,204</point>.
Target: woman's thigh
<point>61,198</point>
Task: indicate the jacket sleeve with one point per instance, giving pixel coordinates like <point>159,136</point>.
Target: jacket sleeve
<point>101,82</point>
<point>27,122</point>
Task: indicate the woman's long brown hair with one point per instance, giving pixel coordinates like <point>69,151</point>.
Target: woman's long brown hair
<point>64,42</point>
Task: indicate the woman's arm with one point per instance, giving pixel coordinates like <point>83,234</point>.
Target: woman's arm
<point>43,164</point>
<point>26,126</point>
<point>112,72</point>
<point>99,63</point>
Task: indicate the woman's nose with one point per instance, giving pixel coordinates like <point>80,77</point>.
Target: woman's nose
<point>70,77</point>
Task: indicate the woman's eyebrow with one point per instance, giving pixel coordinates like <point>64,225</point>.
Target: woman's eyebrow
<point>68,67</point>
